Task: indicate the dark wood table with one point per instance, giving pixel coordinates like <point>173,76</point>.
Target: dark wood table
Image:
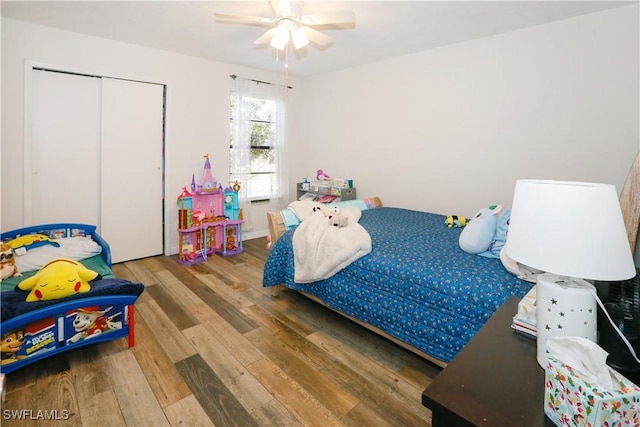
<point>494,381</point>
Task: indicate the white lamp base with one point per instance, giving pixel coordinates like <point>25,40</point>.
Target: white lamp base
<point>565,307</point>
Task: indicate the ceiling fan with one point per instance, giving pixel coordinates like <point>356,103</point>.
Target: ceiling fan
<point>289,24</point>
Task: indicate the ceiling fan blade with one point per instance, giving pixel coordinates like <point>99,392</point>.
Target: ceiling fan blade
<point>298,38</point>
<point>281,7</point>
<point>266,37</point>
<point>315,36</point>
<point>340,17</point>
<point>242,18</point>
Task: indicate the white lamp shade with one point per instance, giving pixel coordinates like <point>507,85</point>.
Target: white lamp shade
<point>572,229</point>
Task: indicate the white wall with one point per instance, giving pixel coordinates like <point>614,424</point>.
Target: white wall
<point>451,129</point>
<point>447,130</point>
<point>197,106</point>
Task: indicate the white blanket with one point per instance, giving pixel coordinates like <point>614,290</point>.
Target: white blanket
<point>321,250</point>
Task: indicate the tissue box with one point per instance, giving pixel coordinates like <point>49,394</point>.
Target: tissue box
<point>569,400</point>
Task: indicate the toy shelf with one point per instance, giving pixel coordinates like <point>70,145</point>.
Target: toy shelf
<point>319,190</point>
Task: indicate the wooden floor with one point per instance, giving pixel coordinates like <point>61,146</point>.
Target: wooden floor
<point>215,348</point>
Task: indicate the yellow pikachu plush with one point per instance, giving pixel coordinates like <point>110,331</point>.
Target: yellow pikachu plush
<point>59,278</point>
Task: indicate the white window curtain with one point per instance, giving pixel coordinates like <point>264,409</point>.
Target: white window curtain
<point>240,159</point>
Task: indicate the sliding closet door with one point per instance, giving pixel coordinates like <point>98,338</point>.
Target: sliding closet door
<point>95,157</point>
<point>131,178</point>
<point>64,159</point>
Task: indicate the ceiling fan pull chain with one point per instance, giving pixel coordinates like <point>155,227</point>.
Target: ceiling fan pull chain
<point>286,60</point>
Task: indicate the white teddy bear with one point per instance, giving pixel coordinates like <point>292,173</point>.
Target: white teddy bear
<point>336,218</point>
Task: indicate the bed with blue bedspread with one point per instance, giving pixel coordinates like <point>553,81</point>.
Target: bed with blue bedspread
<point>32,331</point>
<point>416,286</point>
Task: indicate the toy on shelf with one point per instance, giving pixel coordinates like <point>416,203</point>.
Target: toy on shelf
<point>209,219</point>
<point>326,190</point>
<point>321,176</point>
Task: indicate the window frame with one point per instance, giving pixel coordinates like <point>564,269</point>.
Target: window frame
<point>270,150</point>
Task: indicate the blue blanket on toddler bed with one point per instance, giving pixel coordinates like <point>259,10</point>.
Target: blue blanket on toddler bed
<point>416,284</point>
<point>13,302</point>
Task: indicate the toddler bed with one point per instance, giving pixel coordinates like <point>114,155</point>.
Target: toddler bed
<point>32,331</point>
<point>416,286</point>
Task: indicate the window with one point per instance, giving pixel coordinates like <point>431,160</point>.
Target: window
<point>254,133</point>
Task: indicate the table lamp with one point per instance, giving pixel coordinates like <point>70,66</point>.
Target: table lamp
<point>572,231</point>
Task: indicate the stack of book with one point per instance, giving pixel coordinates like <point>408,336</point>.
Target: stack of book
<point>525,319</point>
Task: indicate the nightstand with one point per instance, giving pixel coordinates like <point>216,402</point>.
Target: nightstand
<point>494,381</point>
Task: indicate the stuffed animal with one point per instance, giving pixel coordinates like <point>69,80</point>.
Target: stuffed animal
<point>337,218</point>
<point>321,176</point>
<point>7,262</point>
<point>321,209</point>
<point>336,215</point>
<point>455,221</point>
<point>486,233</point>
<point>59,278</point>
<point>479,233</point>
<point>31,241</point>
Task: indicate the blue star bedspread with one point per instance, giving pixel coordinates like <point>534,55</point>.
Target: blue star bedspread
<point>416,284</point>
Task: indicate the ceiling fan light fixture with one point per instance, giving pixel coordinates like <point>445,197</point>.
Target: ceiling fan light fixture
<point>280,37</point>
<point>288,24</point>
<point>298,38</point>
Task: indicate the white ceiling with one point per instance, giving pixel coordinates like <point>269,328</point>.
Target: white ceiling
<point>383,29</point>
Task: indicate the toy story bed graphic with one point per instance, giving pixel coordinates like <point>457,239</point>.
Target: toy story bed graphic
<point>51,333</point>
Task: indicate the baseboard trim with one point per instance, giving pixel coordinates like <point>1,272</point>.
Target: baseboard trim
<point>248,235</point>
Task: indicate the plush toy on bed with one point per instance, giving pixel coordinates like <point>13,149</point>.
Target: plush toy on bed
<point>337,218</point>
<point>7,262</point>
<point>31,241</point>
<point>486,233</point>
<point>320,208</point>
<point>342,216</point>
<point>455,221</point>
<point>59,278</point>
